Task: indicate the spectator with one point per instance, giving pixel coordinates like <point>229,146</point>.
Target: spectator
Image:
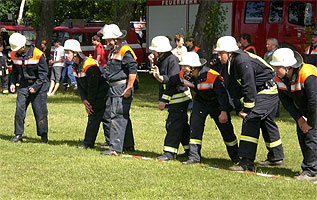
<point>67,73</point>
<point>46,51</point>
<point>271,46</point>
<point>4,72</point>
<point>246,45</point>
<point>180,48</point>
<point>310,55</point>
<point>99,53</point>
<point>191,46</point>
<point>58,64</point>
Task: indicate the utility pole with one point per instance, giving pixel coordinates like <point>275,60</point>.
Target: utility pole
<point>21,12</point>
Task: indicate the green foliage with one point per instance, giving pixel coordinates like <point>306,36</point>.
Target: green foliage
<point>215,27</point>
<point>100,10</point>
<point>58,170</point>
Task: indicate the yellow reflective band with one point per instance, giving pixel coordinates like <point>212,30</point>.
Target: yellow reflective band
<point>166,97</point>
<point>7,71</point>
<point>274,144</point>
<point>0,72</point>
<point>249,105</point>
<point>272,90</point>
<point>186,147</point>
<point>260,59</point>
<point>239,81</point>
<point>181,97</point>
<point>5,91</point>
<point>164,86</point>
<point>231,144</point>
<point>195,141</point>
<point>170,149</point>
<point>248,139</point>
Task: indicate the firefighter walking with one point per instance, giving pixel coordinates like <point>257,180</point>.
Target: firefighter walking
<point>120,73</point>
<point>254,85</point>
<point>211,98</point>
<point>297,87</point>
<point>29,78</point>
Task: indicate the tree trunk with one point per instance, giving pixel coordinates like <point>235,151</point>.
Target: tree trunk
<point>45,30</point>
<point>123,13</point>
<point>201,40</point>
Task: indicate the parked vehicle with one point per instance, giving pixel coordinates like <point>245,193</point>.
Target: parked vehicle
<point>283,20</point>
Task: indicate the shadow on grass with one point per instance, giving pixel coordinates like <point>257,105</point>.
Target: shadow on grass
<point>226,163</point>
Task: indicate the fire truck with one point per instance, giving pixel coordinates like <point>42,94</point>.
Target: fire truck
<point>284,20</point>
<point>84,34</point>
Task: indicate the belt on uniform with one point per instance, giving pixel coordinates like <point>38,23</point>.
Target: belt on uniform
<point>30,81</point>
<point>124,81</point>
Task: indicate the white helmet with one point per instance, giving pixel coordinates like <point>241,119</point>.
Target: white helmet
<point>112,31</point>
<point>72,45</point>
<point>17,41</point>
<point>160,44</point>
<point>192,59</point>
<point>287,58</point>
<point>227,44</point>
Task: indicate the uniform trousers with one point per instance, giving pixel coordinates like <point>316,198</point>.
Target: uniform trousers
<point>39,106</point>
<point>177,128</point>
<point>261,117</point>
<point>308,145</point>
<point>94,120</point>
<point>198,117</point>
<point>120,120</point>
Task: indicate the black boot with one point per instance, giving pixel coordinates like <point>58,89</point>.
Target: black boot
<point>17,138</point>
<point>44,138</point>
<point>183,155</point>
<point>243,165</point>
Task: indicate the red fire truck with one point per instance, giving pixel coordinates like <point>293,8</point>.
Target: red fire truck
<point>262,19</point>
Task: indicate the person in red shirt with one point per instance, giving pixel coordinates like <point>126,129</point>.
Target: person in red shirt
<point>99,53</point>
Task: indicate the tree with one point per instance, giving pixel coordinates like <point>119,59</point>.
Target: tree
<point>45,30</point>
<point>208,25</point>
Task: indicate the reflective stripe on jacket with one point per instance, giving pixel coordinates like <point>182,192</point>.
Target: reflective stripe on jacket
<point>88,63</point>
<point>306,71</point>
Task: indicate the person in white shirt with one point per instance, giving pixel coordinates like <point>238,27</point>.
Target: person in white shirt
<point>180,48</point>
<point>58,64</point>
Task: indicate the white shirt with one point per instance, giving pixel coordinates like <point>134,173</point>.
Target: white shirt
<point>58,55</point>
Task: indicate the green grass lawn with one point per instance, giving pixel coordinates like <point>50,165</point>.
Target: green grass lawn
<point>58,170</point>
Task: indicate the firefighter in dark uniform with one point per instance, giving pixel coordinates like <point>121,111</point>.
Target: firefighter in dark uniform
<point>120,73</point>
<point>4,71</point>
<point>253,84</point>
<point>246,45</point>
<point>177,127</point>
<point>92,89</point>
<point>297,87</point>
<point>310,56</point>
<point>211,98</point>
<point>29,74</point>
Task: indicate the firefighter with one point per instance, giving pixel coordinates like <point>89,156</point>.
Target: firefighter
<point>177,127</point>
<point>246,45</point>
<point>211,98</point>
<point>120,73</point>
<point>254,85</point>
<point>29,74</point>
<point>297,87</point>
<point>91,87</point>
<point>4,71</point>
<point>310,56</point>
